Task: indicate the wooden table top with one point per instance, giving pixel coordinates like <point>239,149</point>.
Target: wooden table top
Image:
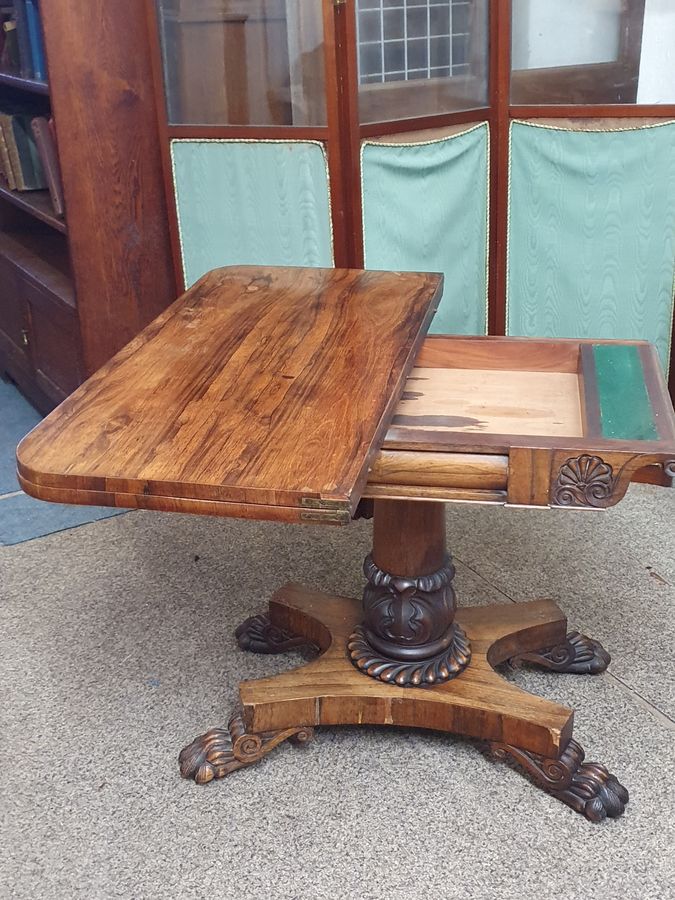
<point>264,390</point>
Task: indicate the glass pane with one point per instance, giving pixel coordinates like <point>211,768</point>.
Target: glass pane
<point>243,62</point>
<point>593,51</point>
<point>421,57</point>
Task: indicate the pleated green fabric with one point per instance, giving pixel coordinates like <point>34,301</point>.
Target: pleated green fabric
<point>592,233</point>
<point>425,208</point>
<point>251,203</point>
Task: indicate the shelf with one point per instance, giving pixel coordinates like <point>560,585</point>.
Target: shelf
<point>24,84</point>
<point>43,257</point>
<point>35,203</point>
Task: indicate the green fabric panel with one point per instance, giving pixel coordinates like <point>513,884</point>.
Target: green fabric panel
<point>251,203</point>
<point>592,234</point>
<point>425,209</point>
<point>625,408</point>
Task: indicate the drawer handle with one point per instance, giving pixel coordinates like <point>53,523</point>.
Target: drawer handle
<point>24,337</point>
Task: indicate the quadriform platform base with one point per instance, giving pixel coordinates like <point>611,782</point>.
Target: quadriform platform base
<point>312,396</point>
<point>477,702</point>
<point>480,704</point>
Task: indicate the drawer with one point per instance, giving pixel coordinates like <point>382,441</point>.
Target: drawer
<point>526,421</point>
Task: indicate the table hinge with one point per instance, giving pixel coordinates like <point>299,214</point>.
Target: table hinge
<point>318,503</point>
<point>326,516</point>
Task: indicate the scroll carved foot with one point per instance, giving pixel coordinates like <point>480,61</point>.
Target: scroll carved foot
<point>224,750</point>
<point>588,788</point>
<point>578,654</point>
<point>258,635</point>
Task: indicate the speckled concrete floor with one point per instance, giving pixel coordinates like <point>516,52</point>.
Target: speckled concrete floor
<point>116,648</point>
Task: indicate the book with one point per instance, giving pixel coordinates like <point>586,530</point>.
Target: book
<point>36,40</point>
<point>23,39</point>
<point>46,146</point>
<point>23,155</point>
<point>12,149</point>
<point>10,50</point>
<point>5,163</point>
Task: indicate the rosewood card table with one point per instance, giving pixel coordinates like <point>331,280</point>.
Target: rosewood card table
<point>312,396</point>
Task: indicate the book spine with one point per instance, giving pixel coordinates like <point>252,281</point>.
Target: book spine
<point>23,39</point>
<point>6,163</point>
<point>36,42</point>
<point>50,162</point>
<point>13,150</point>
<point>33,172</point>
<point>10,51</point>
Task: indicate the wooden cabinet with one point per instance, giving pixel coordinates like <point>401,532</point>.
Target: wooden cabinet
<point>13,322</point>
<point>74,291</point>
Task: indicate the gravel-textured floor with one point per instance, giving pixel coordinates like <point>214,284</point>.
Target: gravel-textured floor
<point>116,648</point>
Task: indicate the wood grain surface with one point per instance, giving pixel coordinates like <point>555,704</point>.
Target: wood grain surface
<point>479,703</point>
<point>104,111</point>
<point>490,401</point>
<point>269,387</point>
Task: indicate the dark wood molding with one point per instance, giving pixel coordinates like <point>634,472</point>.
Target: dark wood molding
<point>248,132</point>
<point>163,130</point>
<point>663,111</point>
<point>344,152</point>
<point>500,81</point>
<point>421,123</point>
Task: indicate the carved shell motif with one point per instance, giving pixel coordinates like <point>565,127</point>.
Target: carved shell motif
<point>583,481</point>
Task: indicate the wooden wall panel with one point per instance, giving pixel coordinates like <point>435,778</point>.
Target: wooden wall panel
<point>103,105</point>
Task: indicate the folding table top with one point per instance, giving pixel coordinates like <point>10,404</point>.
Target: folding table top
<point>265,391</point>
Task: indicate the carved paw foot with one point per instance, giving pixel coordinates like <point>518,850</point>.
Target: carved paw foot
<point>223,750</point>
<point>578,654</point>
<point>587,787</point>
<point>259,635</point>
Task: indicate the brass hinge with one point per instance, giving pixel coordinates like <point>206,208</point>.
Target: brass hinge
<point>326,516</point>
<point>318,503</point>
<point>339,2</point>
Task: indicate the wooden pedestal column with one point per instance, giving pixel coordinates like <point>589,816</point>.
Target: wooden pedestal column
<point>408,635</point>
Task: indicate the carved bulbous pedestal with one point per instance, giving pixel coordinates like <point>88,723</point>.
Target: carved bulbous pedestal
<point>408,636</point>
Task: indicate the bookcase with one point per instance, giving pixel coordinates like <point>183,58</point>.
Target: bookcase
<point>75,289</point>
